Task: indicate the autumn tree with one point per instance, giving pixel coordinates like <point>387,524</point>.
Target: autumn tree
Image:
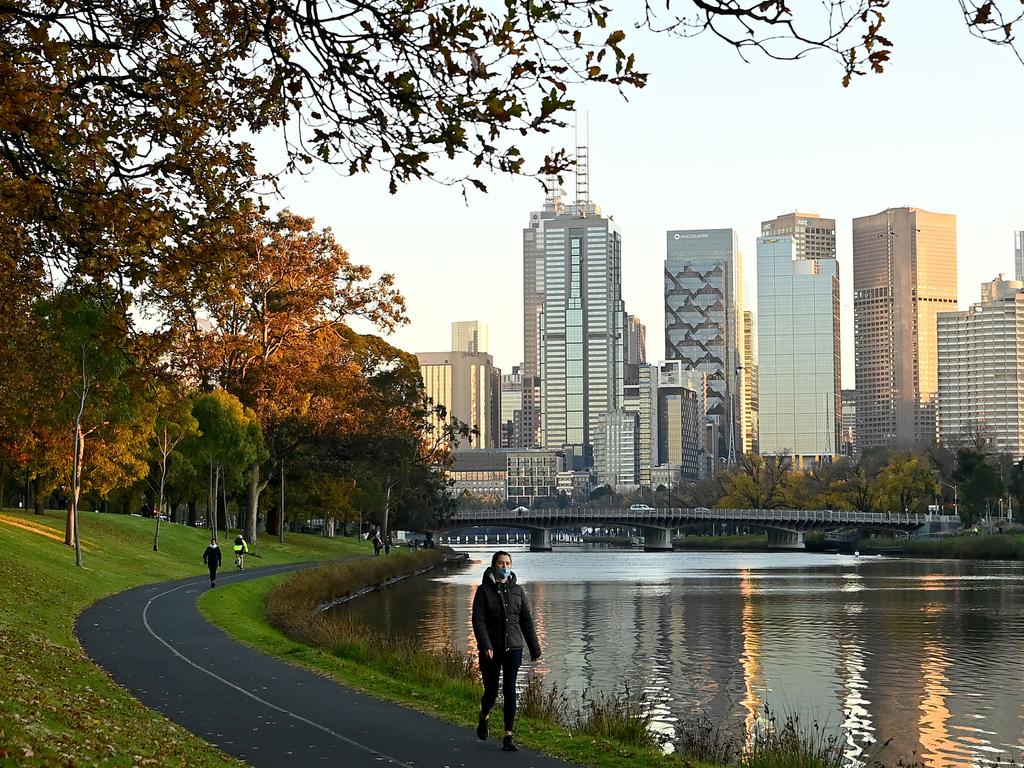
<point>758,482</point>
<point>906,484</point>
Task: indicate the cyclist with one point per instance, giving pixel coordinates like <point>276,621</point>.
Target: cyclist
<point>240,549</point>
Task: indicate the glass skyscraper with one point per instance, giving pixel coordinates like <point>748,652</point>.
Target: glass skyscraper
<point>704,322</point>
<point>582,325</point>
<point>799,399</point>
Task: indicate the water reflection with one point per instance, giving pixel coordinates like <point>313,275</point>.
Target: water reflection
<point>929,654</point>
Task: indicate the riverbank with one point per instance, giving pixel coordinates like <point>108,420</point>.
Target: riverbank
<point>57,707</point>
<point>967,546</point>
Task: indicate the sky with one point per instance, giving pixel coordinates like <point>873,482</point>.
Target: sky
<point>714,142</point>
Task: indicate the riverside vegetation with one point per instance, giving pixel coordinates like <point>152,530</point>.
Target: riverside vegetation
<point>284,615</point>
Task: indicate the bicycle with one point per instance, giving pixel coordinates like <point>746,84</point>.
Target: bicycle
<point>239,563</point>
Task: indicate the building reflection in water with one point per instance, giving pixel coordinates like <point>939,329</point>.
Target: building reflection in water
<point>750,660</point>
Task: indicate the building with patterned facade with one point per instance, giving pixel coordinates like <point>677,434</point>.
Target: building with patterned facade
<point>981,371</point>
<point>904,275</point>
<point>532,476</point>
<point>704,323</point>
<point>469,386</point>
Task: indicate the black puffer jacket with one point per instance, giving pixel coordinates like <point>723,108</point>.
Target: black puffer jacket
<point>502,617</point>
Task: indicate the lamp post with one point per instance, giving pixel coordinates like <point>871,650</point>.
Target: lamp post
<point>956,508</point>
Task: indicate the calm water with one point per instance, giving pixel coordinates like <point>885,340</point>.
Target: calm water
<point>927,653</point>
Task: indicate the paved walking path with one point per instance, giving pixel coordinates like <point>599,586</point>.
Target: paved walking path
<point>154,641</point>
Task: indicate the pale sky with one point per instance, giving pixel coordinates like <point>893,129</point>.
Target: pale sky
<point>714,142</point>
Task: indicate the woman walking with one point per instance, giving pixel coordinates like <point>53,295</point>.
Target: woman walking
<point>212,559</point>
<point>502,623</point>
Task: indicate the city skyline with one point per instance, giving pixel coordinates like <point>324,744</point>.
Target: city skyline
<point>908,137</point>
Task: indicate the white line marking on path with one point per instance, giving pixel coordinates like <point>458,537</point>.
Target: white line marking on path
<point>254,697</point>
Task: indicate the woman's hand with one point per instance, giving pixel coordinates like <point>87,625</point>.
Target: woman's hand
<point>490,653</point>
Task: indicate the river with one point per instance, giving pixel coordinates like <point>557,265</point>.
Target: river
<point>926,653</point>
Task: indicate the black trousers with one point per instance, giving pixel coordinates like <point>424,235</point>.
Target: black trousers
<point>213,572</point>
<point>505,663</point>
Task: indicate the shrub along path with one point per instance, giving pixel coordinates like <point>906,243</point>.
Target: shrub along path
<point>154,641</point>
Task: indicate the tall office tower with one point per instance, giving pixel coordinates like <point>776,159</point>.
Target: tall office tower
<point>534,255</point>
<point>981,371</point>
<point>469,386</point>
<point>636,341</point>
<point>751,445</point>
<point>848,435</point>
<point>1018,255</point>
<point>469,336</point>
<point>904,274</point>
<point>799,397</point>
<point>641,398</point>
<point>616,444</point>
<point>581,323</point>
<point>512,408</point>
<point>813,236</point>
<point>684,437</point>
<point>704,322</point>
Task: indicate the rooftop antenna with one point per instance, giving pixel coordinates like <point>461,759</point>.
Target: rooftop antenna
<point>583,163</point>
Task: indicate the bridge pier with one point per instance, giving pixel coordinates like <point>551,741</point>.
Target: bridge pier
<point>540,540</point>
<point>779,538</point>
<point>657,540</point>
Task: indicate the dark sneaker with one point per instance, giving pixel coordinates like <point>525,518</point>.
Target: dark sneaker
<point>507,745</point>
<point>481,728</point>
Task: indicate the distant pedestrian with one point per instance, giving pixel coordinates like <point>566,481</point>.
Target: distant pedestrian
<point>502,623</point>
<point>378,544</point>
<point>387,545</point>
<point>212,559</point>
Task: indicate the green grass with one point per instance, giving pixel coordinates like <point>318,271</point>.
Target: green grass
<point>56,707</point>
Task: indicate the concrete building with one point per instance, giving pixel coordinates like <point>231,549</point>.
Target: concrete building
<point>582,325</point>
<point>904,275</point>
<point>1018,255</point>
<point>469,336</point>
<point>686,436</point>
<point>981,371</point>
<point>751,445</point>
<point>668,476</point>
<point>704,322</point>
<point>532,476</point>
<point>576,484</point>
<point>636,341</point>
<point>848,428</point>
<point>813,236</point>
<point>480,472</point>
<point>799,396</point>
<point>512,409</point>
<point>617,449</point>
<point>641,398</point>
<point>469,386</point>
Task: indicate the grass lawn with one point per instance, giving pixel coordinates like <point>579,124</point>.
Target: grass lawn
<point>56,707</point>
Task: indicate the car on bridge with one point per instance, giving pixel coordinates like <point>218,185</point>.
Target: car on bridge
<point>640,508</point>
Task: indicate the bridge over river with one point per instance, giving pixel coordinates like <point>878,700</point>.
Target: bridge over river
<point>785,527</point>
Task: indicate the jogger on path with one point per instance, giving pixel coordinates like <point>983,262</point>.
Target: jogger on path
<point>212,559</point>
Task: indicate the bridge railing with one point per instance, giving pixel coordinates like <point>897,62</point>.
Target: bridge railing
<point>555,516</point>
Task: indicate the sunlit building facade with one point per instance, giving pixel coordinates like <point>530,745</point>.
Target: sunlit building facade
<point>904,275</point>
<point>512,409</point>
<point>469,336</point>
<point>469,386</point>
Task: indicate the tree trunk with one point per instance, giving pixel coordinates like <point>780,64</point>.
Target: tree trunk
<point>76,485</point>
<point>38,496</point>
<point>192,516</point>
<point>280,515</point>
<point>252,503</point>
<point>329,527</point>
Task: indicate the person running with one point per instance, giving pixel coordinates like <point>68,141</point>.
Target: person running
<point>502,623</point>
<point>212,559</point>
<point>240,549</point>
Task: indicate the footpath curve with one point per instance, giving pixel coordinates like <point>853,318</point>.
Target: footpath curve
<point>154,642</point>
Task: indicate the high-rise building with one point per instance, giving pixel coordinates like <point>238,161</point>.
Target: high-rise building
<point>751,445</point>
<point>848,434</point>
<point>686,437</point>
<point>904,275</point>
<point>636,341</point>
<point>617,448</point>
<point>704,322</point>
<point>512,409</point>
<point>813,236</point>
<point>469,336</point>
<point>1018,255</point>
<point>582,325</point>
<point>641,398</point>
<point>981,371</point>
<point>799,396</point>
<point>469,386</point>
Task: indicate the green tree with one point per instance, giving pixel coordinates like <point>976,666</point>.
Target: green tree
<point>174,423</point>
<point>906,484</point>
<point>978,483</point>
<point>758,482</point>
